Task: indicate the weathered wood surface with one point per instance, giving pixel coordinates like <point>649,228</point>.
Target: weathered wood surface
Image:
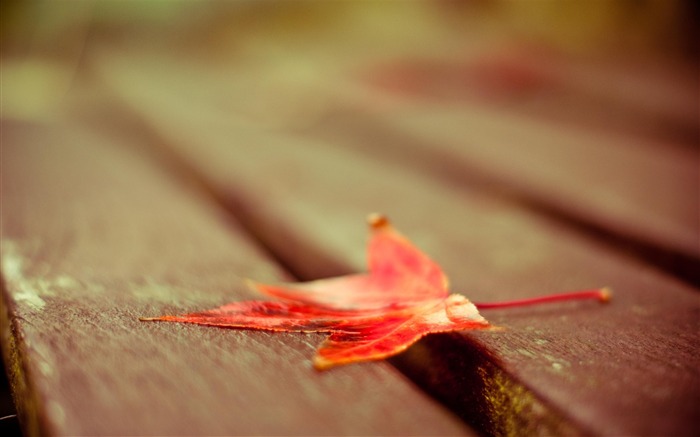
<point>640,97</point>
<point>636,191</point>
<point>642,192</point>
<point>579,368</point>
<point>94,236</point>
<point>626,368</point>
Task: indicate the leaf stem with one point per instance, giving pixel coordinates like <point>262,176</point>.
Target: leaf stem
<point>602,294</point>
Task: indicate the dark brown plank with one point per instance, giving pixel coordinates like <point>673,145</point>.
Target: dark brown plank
<point>94,236</point>
<point>641,193</point>
<point>638,193</point>
<point>578,368</point>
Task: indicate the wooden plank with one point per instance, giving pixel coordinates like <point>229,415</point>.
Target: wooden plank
<point>557,370</point>
<point>94,236</point>
<point>642,194</point>
<point>468,119</point>
<point>639,194</point>
<point>644,97</point>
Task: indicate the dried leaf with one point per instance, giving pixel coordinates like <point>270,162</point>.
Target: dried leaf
<point>403,297</point>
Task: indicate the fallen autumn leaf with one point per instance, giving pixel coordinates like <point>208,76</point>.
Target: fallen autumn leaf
<point>403,297</point>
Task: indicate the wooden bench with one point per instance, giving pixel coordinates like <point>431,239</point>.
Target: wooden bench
<point>97,236</point>
<point>150,193</point>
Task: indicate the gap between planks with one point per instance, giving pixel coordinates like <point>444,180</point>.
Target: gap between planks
<point>476,389</point>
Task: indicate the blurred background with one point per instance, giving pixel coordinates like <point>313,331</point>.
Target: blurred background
<point>284,62</point>
<point>627,66</point>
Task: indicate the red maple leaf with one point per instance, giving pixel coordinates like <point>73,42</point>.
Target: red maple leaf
<point>372,316</point>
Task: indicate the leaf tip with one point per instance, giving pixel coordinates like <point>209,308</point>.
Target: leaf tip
<point>321,363</point>
<point>377,221</point>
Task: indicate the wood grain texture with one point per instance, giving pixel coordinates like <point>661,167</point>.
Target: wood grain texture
<point>93,237</point>
<point>638,192</point>
<point>644,193</point>
<point>626,368</point>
